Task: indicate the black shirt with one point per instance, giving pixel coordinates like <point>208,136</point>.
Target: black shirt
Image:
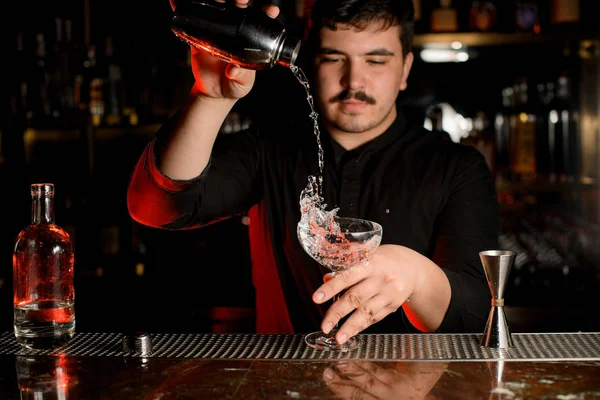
<point>430,194</point>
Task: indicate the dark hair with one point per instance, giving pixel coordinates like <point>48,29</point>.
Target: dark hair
<point>359,14</point>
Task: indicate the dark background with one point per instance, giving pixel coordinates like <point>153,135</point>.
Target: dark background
<point>133,277</point>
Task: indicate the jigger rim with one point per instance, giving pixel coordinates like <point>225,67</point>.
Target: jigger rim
<point>496,253</point>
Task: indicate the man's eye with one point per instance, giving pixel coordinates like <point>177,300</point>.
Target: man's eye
<point>376,62</point>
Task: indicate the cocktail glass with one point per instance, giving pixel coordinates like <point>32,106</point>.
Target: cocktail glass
<point>338,244</point>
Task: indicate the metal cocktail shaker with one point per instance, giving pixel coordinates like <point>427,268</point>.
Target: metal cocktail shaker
<point>243,36</point>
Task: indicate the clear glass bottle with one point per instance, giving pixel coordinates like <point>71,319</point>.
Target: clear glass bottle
<point>43,272</point>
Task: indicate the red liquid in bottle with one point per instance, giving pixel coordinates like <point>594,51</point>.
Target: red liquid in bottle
<point>43,272</point>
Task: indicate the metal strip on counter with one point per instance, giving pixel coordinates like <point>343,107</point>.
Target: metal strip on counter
<point>375,347</point>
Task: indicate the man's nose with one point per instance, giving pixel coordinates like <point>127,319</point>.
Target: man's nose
<point>354,78</point>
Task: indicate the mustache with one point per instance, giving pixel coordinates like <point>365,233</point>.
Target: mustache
<point>347,95</point>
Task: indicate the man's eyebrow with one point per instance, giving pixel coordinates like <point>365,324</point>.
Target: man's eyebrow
<point>380,52</point>
<point>376,52</point>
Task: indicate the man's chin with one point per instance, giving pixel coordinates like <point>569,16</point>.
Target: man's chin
<point>353,126</point>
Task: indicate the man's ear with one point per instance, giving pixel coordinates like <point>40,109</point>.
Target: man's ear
<point>406,67</point>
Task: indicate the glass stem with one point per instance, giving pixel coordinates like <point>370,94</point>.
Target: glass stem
<point>333,331</point>
<point>337,324</point>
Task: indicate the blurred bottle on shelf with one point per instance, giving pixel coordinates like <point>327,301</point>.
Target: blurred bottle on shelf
<point>563,131</point>
<point>544,156</point>
<point>113,89</point>
<point>527,17</point>
<point>482,16</point>
<point>540,122</point>
<point>504,125</point>
<point>64,72</point>
<point>73,112</point>
<point>83,78</point>
<point>38,104</point>
<point>20,75</point>
<point>523,141</point>
<point>96,88</point>
<point>482,138</point>
<point>444,18</point>
<point>565,16</point>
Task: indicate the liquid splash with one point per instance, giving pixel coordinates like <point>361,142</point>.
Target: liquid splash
<point>334,242</point>
<point>315,118</point>
<point>317,226</point>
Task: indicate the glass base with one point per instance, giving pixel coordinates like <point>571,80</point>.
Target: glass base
<point>321,341</point>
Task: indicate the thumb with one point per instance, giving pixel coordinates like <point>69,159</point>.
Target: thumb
<point>240,80</point>
<point>240,75</point>
<point>234,73</point>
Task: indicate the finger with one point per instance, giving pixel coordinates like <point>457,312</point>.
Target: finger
<point>328,276</point>
<point>341,280</point>
<point>368,313</point>
<point>350,301</point>
<point>271,10</point>
<point>343,389</point>
<point>242,3</point>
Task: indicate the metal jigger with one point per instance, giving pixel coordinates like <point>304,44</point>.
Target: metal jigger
<point>497,265</point>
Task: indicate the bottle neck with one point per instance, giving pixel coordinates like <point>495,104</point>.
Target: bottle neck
<point>42,210</point>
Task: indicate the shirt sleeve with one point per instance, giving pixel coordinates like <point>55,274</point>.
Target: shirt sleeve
<point>228,186</point>
<point>467,224</point>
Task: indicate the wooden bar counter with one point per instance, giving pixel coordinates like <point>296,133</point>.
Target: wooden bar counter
<point>245,366</point>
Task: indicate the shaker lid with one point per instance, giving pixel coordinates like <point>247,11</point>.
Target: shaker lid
<point>290,48</point>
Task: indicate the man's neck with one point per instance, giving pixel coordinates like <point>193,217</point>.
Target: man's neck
<point>351,141</point>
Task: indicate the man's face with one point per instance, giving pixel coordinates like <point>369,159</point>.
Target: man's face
<point>358,77</point>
